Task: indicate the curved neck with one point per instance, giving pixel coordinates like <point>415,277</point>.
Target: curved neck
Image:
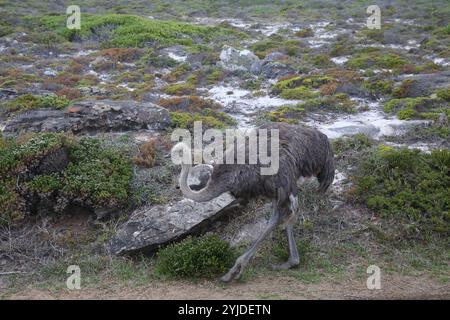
<point>208,193</point>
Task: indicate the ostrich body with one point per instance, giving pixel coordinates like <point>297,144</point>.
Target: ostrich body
<point>303,152</point>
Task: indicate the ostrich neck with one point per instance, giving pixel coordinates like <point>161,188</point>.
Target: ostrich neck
<point>208,193</point>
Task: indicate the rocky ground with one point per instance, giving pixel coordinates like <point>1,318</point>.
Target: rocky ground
<point>86,118</point>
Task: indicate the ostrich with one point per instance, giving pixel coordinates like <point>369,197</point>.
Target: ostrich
<point>303,152</point>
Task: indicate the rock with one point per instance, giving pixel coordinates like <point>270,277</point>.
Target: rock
<point>152,227</point>
<point>92,116</point>
<point>423,85</point>
<point>352,89</point>
<point>7,93</point>
<point>177,53</point>
<point>274,69</point>
<point>239,60</point>
<point>274,56</point>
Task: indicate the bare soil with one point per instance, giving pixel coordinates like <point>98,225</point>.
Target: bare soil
<point>274,287</point>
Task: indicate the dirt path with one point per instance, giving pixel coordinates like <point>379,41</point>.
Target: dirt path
<point>392,287</point>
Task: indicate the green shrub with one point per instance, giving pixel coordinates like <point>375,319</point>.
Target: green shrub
<point>443,94</point>
<point>417,108</point>
<point>379,87</point>
<point>95,176</point>
<point>210,119</point>
<point>180,89</point>
<point>356,142</point>
<point>28,101</point>
<point>407,185</point>
<point>117,30</point>
<point>299,93</point>
<point>203,257</point>
<point>376,59</point>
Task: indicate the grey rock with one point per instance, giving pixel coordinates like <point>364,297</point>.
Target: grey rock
<point>7,93</point>
<point>274,69</point>
<point>274,56</point>
<point>423,85</point>
<point>151,227</point>
<point>239,60</point>
<point>92,116</point>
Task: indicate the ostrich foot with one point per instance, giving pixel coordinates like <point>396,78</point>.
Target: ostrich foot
<point>235,272</point>
<point>285,266</point>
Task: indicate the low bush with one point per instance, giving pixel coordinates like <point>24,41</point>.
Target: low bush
<point>94,176</point>
<point>203,257</point>
<point>407,185</point>
<point>28,101</point>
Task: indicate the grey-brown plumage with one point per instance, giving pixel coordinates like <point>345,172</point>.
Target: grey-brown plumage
<point>303,152</point>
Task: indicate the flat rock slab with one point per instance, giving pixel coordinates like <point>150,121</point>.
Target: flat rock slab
<point>92,116</point>
<point>152,227</point>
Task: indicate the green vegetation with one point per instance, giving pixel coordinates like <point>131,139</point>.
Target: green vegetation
<point>378,87</point>
<point>443,94</point>
<point>417,108</point>
<point>355,143</point>
<point>299,93</point>
<point>209,117</point>
<point>28,101</point>
<point>297,87</point>
<point>407,185</point>
<point>403,91</point>
<point>134,31</point>
<point>94,175</point>
<point>293,113</point>
<point>203,257</point>
<point>376,59</point>
<point>180,89</point>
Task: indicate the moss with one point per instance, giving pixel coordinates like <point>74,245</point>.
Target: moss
<point>28,101</point>
<point>407,185</point>
<point>203,257</point>
<point>180,89</point>
<point>134,31</point>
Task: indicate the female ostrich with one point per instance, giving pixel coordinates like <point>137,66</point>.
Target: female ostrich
<point>303,152</point>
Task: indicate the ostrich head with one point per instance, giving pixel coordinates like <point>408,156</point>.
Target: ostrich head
<point>211,189</point>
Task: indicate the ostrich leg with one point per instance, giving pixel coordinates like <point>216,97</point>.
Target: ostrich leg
<point>242,261</point>
<point>294,259</point>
